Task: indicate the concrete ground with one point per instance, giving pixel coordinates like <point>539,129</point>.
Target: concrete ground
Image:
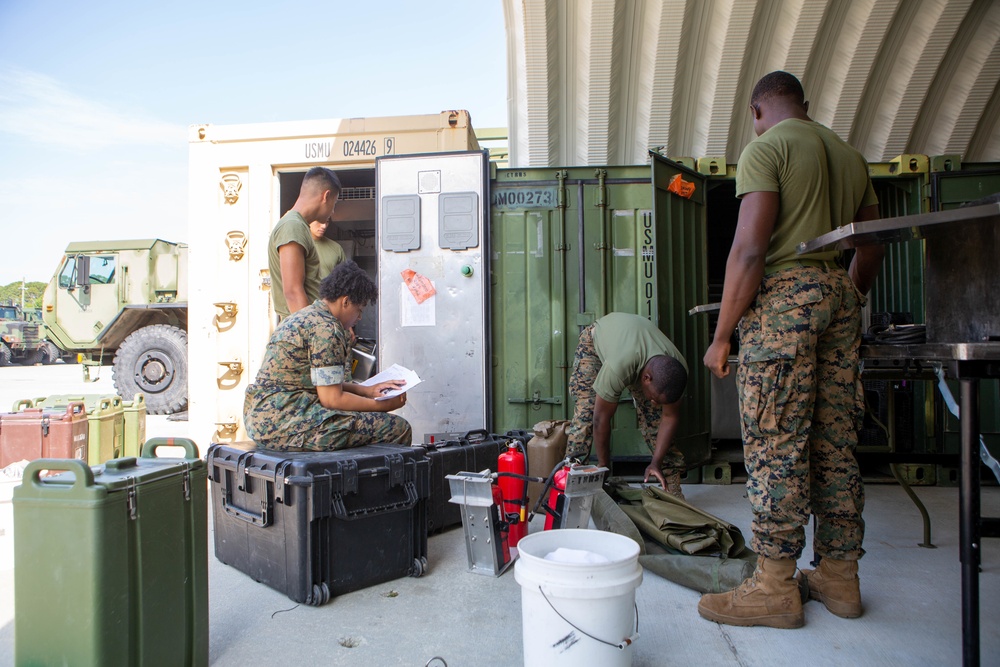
<point>912,594</point>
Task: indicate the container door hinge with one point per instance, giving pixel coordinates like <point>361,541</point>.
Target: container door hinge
<point>536,399</point>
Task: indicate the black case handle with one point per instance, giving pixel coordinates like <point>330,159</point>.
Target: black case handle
<point>341,512</point>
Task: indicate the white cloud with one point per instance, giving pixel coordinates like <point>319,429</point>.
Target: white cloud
<point>39,108</point>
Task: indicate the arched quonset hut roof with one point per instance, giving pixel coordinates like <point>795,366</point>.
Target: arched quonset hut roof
<point>601,81</point>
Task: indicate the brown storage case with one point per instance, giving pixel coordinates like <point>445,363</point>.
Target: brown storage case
<point>36,433</point>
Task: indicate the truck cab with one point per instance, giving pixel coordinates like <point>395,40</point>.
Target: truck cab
<point>125,302</point>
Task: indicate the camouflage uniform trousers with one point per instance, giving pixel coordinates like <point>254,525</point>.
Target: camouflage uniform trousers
<point>802,402</point>
<point>343,430</point>
<point>580,432</point>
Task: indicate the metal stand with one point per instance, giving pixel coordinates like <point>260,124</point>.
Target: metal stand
<point>485,538</point>
<point>968,363</point>
<point>582,483</point>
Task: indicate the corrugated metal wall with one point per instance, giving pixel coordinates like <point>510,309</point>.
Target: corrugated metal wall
<point>600,82</point>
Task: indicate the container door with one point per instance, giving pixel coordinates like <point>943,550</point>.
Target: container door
<point>433,303</point>
<point>679,247</point>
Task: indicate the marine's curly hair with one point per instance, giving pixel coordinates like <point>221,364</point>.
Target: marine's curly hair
<point>350,280</point>
<point>778,84</point>
<point>668,375</point>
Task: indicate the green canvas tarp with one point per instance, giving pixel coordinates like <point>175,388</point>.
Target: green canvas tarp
<point>693,548</point>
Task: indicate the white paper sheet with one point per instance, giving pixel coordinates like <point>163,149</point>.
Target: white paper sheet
<point>394,372</point>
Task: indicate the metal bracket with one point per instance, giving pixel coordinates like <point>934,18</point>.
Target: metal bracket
<point>229,379</point>
<point>225,319</point>
<point>226,430</point>
<point>231,186</point>
<point>228,310</point>
<point>237,243</point>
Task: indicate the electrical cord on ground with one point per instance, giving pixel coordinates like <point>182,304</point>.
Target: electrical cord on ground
<point>282,611</point>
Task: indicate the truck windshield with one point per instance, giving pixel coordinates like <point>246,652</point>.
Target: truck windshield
<point>102,269</point>
<point>66,277</point>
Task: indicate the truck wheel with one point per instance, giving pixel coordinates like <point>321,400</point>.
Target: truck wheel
<point>36,356</point>
<point>153,360</point>
<point>4,355</point>
<point>51,353</point>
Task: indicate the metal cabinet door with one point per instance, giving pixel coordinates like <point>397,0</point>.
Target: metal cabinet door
<point>430,212</point>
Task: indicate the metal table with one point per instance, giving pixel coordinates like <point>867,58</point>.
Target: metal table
<point>968,363</point>
<point>962,303</point>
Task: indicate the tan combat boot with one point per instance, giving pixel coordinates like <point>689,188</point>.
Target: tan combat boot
<point>835,583</point>
<point>673,479</point>
<point>770,597</point>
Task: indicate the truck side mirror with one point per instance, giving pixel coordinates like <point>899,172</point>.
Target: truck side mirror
<point>82,276</point>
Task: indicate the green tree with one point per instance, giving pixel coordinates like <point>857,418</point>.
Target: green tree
<point>32,294</point>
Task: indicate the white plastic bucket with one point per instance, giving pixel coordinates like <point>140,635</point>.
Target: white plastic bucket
<point>578,613</point>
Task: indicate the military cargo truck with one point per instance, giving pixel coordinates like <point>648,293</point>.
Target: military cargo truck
<point>125,302</point>
<point>22,340</point>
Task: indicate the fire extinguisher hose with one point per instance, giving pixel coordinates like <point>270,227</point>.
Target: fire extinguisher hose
<point>549,481</point>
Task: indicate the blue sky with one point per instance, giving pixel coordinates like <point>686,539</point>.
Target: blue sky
<point>96,98</point>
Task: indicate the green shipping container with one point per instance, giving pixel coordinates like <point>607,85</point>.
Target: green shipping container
<point>571,245</point>
<point>111,562</point>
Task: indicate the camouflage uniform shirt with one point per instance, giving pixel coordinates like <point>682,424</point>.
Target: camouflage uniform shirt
<point>309,347</point>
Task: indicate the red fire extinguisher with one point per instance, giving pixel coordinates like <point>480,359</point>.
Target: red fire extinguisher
<point>501,531</point>
<point>514,490</point>
<point>557,498</point>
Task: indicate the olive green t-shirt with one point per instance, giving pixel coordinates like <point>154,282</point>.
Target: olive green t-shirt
<point>292,228</point>
<point>330,254</point>
<point>624,343</point>
<point>821,179</point>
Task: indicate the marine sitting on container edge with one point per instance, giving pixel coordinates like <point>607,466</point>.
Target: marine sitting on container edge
<point>303,396</point>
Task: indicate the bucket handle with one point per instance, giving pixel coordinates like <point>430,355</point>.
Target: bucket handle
<point>621,646</point>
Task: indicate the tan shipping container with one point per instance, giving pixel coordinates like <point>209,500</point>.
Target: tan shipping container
<point>242,179</point>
